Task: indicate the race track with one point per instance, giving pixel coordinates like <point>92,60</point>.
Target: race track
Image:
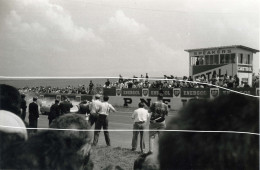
<point>120,120</point>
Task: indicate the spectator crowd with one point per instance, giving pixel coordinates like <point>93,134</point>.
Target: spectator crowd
<point>178,147</point>
<point>144,82</point>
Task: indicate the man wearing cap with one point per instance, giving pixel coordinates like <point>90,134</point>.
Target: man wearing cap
<point>54,111</point>
<point>33,113</point>
<point>140,117</point>
<point>23,107</point>
<point>102,121</point>
<point>158,111</point>
<point>95,107</point>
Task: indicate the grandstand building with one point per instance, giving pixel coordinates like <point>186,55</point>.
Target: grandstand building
<point>231,60</point>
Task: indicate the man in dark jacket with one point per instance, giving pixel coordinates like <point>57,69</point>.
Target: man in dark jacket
<point>54,111</point>
<point>23,107</point>
<point>65,106</point>
<point>33,113</point>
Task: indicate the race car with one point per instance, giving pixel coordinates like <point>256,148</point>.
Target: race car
<point>45,106</point>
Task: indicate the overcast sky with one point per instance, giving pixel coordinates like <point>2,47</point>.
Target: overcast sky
<point>112,37</point>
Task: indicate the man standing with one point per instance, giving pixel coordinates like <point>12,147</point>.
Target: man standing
<point>54,111</point>
<point>91,86</point>
<point>95,107</point>
<point>140,117</point>
<point>33,113</point>
<point>158,111</point>
<point>102,121</point>
<point>23,107</point>
<point>65,106</point>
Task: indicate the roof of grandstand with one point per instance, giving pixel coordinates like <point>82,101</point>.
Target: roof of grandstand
<point>230,46</point>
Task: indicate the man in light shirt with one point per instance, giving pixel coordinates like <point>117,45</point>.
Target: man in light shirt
<point>102,121</point>
<point>140,117</point>
<point>95,107</point>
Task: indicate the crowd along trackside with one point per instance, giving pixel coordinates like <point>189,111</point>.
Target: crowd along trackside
<point>175,97</point>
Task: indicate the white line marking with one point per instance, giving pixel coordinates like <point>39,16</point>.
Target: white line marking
<point>131,130</point>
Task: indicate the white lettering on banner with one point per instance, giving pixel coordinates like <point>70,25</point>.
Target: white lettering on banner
<point>131,93</point>
<point>194,93</point>
<point>212,52</point>
<point>155,93</point>
<point>244,68</point>
<point>228,92</point>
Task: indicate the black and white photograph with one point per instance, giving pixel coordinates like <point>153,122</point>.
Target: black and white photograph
<point>129,84</point>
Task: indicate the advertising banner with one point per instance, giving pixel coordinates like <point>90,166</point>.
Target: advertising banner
<point>131,92</point>
<point>118,92</point>
<point>195,92</point>
<point>145,92</point>
<point>166,92</point>
<point>214,92</point>
<point>176,92</point>
<point>109,91</point>
<point>251,91</point>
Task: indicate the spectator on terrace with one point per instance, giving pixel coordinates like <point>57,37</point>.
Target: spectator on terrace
<point>130,84</point>
<point>236,81</point>
<point>213,150</point>
<point>141,78</point>
<point>197,61</point>
<point>107,83</point>
<point>91,87</point>
<point>146,77</point>
<point>120,80</point>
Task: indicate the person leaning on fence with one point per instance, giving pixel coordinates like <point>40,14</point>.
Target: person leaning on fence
<point>102,121</point>
<point>140,117</point>
<point>158,111</point>
<point>94,107</point>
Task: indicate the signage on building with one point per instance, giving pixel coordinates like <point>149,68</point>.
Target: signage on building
<point>211,52</point>
<point>244,69</point>
<point>195,92</point>
<point>131,92</point>
<point>155,92</point>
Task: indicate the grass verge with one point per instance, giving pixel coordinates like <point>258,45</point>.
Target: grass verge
<point>103,156</point>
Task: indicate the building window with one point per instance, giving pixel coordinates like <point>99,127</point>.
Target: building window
<point>249,59</point>
<point>241,58</point>
<point>207,59</point>
<point>233,57</point>
<point>245,80</point>
<point>216,59</point>
<point>227,58</point>
<point>211,59</point>
<point>222,58</point>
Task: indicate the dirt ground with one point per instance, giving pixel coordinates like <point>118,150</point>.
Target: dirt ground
<point>120,152</point>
